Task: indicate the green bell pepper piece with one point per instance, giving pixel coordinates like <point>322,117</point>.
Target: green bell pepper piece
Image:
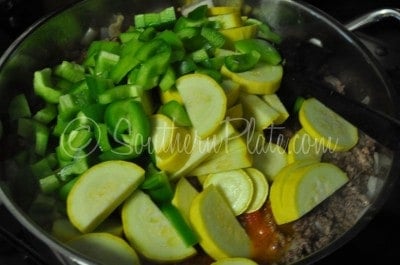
<point>128,36</point>
<point>43,87</point>
<point>213,36</point>
<point>152,69</point>
<point>101,136</point>
<point>179,223</point>
<point>128,117</point>
<point>120,92</point>
<point>49,184</point>
<point>44,166</point>
<point>214,63</point>
<point>173,40</point>
<point>76,167</point>
<point>95,112</point>
<point>96,47</point>
<point>215,74</point>
<point>19,107</point>
<point>199,13</point>
<point>46,114</point>
<point>42,135</point>
<point>128,60</point>
<point>176,112</point>
<point>150,48</point>
<point>186,22</point>
<point>70,71</point>
<point>186,66</point>
<point>157,185</point>
<point>97,85</point>
<point>72,143</point>
<point>265,31</point>
<point>168,79</point>
<point>105,63</point>
<point>267,52</point>
<point>123,152</point>
<point>242,62</point>
<point>159,20</point>
<point>66,188</point>
<point>199,55</point>
<point>147,34</point>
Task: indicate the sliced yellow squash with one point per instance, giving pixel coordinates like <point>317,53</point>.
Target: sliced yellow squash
<point>234,261</point>
<point>262,79</point>
<point>258,112</point>
<point>306,187</point>
<point>99,191</point>
<point>269,159</point>
<point>232,92</point>
<point>232,155</point>
<point>163,135</point>
<point>183,197</point>
<point>274,101</point>
<point>326,126</point>
<point>235,115</point>
<point>220,10</point>
<point>261,189</point>
<point>240,33</point>
<point>169,95</point>
<point>220,233</point>
<point>235,186</point>
<point>205,102</point>
<point>304,147</point>
<point>150,232</point>
<point>64,231</point>
<point>105,248</point>
<point>228,20</point>
<point>275,192</point>
<point>180,151</point>
<point>204,148</point>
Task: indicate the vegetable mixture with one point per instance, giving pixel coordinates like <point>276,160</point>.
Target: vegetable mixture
<point>154,145</point>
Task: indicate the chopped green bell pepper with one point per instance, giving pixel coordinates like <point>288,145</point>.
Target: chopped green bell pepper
<point>123,152</point>
<point>179,223</point>
<point>19,107</point>
<point>168,79</point>
<point>105,63</point>
<point>120,92</point>
<point>267,52</point>
<point>43,87</point>
<point>128,60</point>
<point>66,188</point>
<point>96,47</point>
<point>265,30</point>
<point>176,112</point>
<point>157,185</point>
<point>158,20</point>
<point>97,85</point>
<point>49,184</point>
<point>46,114</point>
<point>128,117</point>
<point>70,71</point>
<point>101,135</point>
<point>242,62</point>
<point>213,36</point>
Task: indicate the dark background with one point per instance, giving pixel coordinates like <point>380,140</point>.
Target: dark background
<point>379,242</point>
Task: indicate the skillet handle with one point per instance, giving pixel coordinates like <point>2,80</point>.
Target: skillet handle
<point>373,17</point>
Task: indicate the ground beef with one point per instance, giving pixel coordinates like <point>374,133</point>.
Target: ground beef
<point>340,211</point>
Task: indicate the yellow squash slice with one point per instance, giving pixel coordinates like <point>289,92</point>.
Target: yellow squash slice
<point>99,191</point>
<point>326,126</point>
<point>220,233</point>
